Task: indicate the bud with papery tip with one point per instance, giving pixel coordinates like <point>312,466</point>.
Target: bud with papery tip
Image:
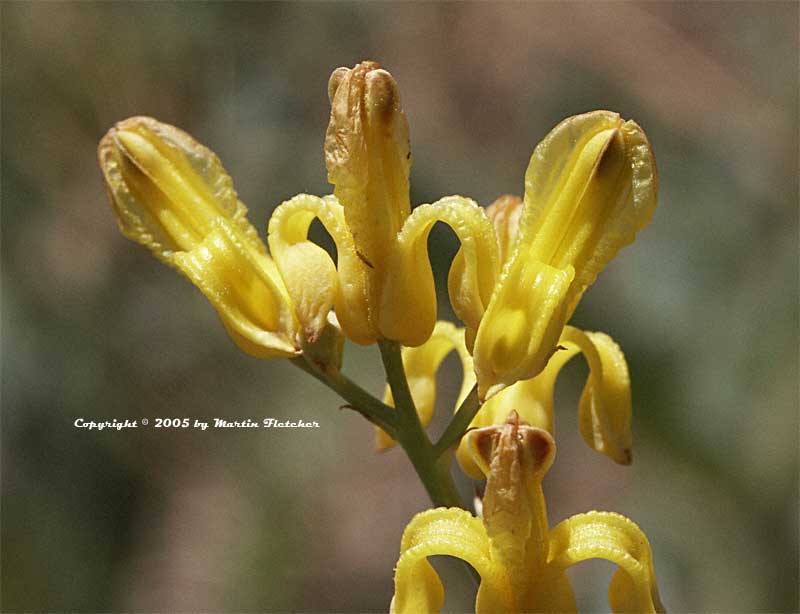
<point>172,195</point>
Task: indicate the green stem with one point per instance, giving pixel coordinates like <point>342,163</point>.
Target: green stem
<point>359,399</point>
<point>432,468</point>
<point>402,424</point>
<point>459,423</point>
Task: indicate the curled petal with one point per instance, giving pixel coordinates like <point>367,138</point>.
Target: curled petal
<point>612,537</point>
<point>309,273</point>
<point>453,532</point>
<point>408,305</point>
<point>605,405</point>
<point>421,365</point>
<point>245,288</point>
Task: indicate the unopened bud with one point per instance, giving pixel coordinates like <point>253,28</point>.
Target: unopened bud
<point>173,196</point>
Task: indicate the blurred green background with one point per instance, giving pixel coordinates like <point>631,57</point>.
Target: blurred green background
<point>705,303</point>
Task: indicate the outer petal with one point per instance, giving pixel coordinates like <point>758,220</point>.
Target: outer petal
<point>612,537</point>
<point>408,305</point>
<point>521,327</point>
<point>421,365</point>
<point>309,273</point>
<point>245,288</point>
<point>605,405</point>
<point>452,532</point>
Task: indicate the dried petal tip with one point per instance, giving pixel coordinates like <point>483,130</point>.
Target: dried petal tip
<point>335,80</point>
<point>381,95</point>
<point>497,448</point>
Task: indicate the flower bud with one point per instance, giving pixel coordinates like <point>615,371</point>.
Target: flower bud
<point>590,186</point>
<point>368,157</point>
<point>173,196</point>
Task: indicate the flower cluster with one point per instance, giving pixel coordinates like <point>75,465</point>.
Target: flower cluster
<point>521,269</point>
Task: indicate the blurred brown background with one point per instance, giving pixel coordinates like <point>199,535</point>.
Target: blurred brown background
<point>705,304</point>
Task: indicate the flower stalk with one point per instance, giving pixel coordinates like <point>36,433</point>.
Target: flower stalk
<point>431,465</point>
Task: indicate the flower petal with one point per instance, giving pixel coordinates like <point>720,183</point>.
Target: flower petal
<point>520,329</point>
<point>453,532</point>
<point>504,214</point>
<point>245,288</point>
<point>421,365</point>
<point>515,457</point>
<point>590,186</point>
<point>612,537</point>
<point>408,305</point>
<point>311,278</point>
<point>605,405</point>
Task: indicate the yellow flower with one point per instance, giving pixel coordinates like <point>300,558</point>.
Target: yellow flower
<point>173,196</point>
<point>521,562</point>
<point>383,285</point>
<point>590,186</point>
<point>605,405</point>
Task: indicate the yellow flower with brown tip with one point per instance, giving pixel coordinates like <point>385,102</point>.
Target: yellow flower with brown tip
<point>591,185</point>
<point>604,410</point>
<point>172,195</point>
<point>383,285</point>
<point>605,404</point>
<point>521,562</point>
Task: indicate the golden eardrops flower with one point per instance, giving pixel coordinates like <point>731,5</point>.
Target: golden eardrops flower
<point>590,187</point>
<point>383,285</point>
<point>604,410</point>
<point>521,562</point>
<point>172,195</point>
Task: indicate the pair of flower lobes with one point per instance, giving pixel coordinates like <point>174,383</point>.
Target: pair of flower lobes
<point>522,266</point>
